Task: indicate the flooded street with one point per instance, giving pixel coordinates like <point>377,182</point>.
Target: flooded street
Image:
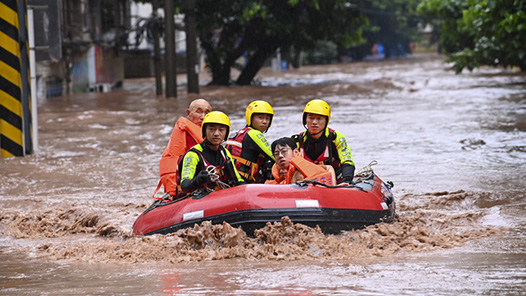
<point>453,145</point>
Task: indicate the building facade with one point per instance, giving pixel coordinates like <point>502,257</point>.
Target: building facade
<point>91,45</point>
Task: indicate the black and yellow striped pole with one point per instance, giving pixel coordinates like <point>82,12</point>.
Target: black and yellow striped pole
<point>15,98</point>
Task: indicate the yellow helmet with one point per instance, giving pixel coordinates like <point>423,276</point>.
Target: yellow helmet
<point>319,107</point>
<point>216,117</point>
<point>259,106</point>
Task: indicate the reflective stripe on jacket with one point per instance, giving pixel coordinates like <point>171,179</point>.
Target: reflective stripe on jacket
<point>250,149</point>
<point>195,161</point>
<point>335,142</point>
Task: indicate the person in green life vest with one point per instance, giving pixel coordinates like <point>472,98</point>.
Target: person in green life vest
<point>323,145</point>
<point>249,147</point>
<point>208,165</point>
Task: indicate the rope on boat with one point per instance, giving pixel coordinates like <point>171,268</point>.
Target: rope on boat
<point>367,173</point>
<point>221,185</point>
<point>343,185</point>
<point>305,182</point>
<point>214,177</point>
<point>366,170</point>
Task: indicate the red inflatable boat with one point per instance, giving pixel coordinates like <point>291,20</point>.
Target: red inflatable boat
<point>251,206</point>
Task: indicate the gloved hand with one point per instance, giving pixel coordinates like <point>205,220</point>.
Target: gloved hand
<point>202,178</point>
<point>348,173</point>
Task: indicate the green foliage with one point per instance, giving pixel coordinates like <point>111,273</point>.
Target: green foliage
<point>481,32</point>
<point>444,17</point>
<point>392,23</point>
<point>325,52</point>
<point>230,28</point>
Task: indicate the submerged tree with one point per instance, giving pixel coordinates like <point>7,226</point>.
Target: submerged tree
<point>255,30</point>
<point>480,32</point>
<point>230,29</point>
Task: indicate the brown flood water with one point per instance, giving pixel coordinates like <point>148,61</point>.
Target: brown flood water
<point>454,146</point>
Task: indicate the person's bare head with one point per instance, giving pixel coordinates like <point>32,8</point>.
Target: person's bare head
<point>197,110</point>
<point>284,149</point>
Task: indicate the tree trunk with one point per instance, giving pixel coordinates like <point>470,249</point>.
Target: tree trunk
<point>213,62</point>
<point>191,48</point>
<point>170,55</point>
<point>224,74</point>
<point>255,63</point>
<point>221,70</point>
<point>297,60</point>
<point>157,51</point>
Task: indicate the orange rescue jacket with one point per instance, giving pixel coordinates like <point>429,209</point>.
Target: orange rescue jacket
<point>308,169</point>
<point>175,148</point>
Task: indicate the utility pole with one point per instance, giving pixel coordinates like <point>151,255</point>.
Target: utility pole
<point>192,66</point>
<point>15,88</point>
<point>157,50</point>
<point>25,76</point>
<point>171,63</point>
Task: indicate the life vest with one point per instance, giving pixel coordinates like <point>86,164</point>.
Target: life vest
<point>308,169</point>
<point>249,170</point>
<point>235,142</point>
<point>327,156</point>
<point>173,153</point>
<point>225,170</point>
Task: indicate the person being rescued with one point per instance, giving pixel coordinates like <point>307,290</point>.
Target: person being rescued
<point>290,167</point>
<point>209,165</point>
<point>249,147</point>
<point>186,133</point>
<point>321,145</point>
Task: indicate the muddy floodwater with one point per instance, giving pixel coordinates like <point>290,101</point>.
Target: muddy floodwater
<point>453,145</point>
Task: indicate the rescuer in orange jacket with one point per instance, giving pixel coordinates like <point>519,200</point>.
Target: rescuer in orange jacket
<point>249,147</point>
<point>186,134</point>
<point>290,167</point>
<point>322,145</point>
